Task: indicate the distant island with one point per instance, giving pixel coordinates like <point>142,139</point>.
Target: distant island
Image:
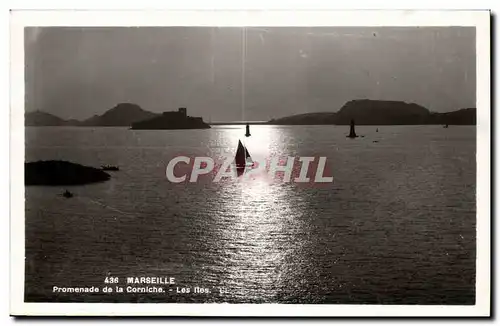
<point>364,112</point>
<point>122,115</point>
<point>40,118</point>
<point>172,120</point>
<point>375,112</point>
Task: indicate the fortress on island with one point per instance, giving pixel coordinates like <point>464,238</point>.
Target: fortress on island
<point>172,120</point>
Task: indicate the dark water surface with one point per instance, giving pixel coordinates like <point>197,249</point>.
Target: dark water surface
<point>397,225</point>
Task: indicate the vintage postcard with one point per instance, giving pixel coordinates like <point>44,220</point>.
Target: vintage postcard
<point>330,163</point>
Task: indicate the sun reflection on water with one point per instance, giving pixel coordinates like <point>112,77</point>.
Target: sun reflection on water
<point>259,217</point>
<point>260,144</point>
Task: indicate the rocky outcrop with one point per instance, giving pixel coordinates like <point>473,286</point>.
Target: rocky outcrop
<point>59,173</point>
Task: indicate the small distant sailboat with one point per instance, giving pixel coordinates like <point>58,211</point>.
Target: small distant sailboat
<point>445,126</point>
<point>352,132</point>
<point>67,194</point>
<point>247,134</point>
<point>242,159</point>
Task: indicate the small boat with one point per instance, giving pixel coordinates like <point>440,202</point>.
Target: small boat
<point>242,159</point>
<point>445,126</point>
<point>109,168</point>
<point>67,194</point>
<point>352,132</point>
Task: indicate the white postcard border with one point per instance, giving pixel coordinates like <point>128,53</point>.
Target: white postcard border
<point>21,19</point>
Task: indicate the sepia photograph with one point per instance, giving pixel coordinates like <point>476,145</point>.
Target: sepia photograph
<point>299,164</point>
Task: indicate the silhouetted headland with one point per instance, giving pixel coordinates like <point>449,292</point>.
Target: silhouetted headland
<point>172,120</point>
<point>57,173</point>
<point>122,115</point>
<point>40,118</point>
<point>375,112</point>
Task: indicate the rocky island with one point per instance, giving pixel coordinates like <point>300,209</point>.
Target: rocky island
<point>61,173</point>
<point>172,120</point>
<point>121,115</point>
<point>377,112</point>
<point>44,119</point>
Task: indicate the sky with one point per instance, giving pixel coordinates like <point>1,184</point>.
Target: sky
<point>253,73</point>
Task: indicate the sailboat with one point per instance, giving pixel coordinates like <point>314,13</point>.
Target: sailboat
<point>242,158</point>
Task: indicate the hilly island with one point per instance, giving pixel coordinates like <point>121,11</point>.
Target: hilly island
<point>364,112</point>
<point>375,112</point>
<point>122,115</point>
